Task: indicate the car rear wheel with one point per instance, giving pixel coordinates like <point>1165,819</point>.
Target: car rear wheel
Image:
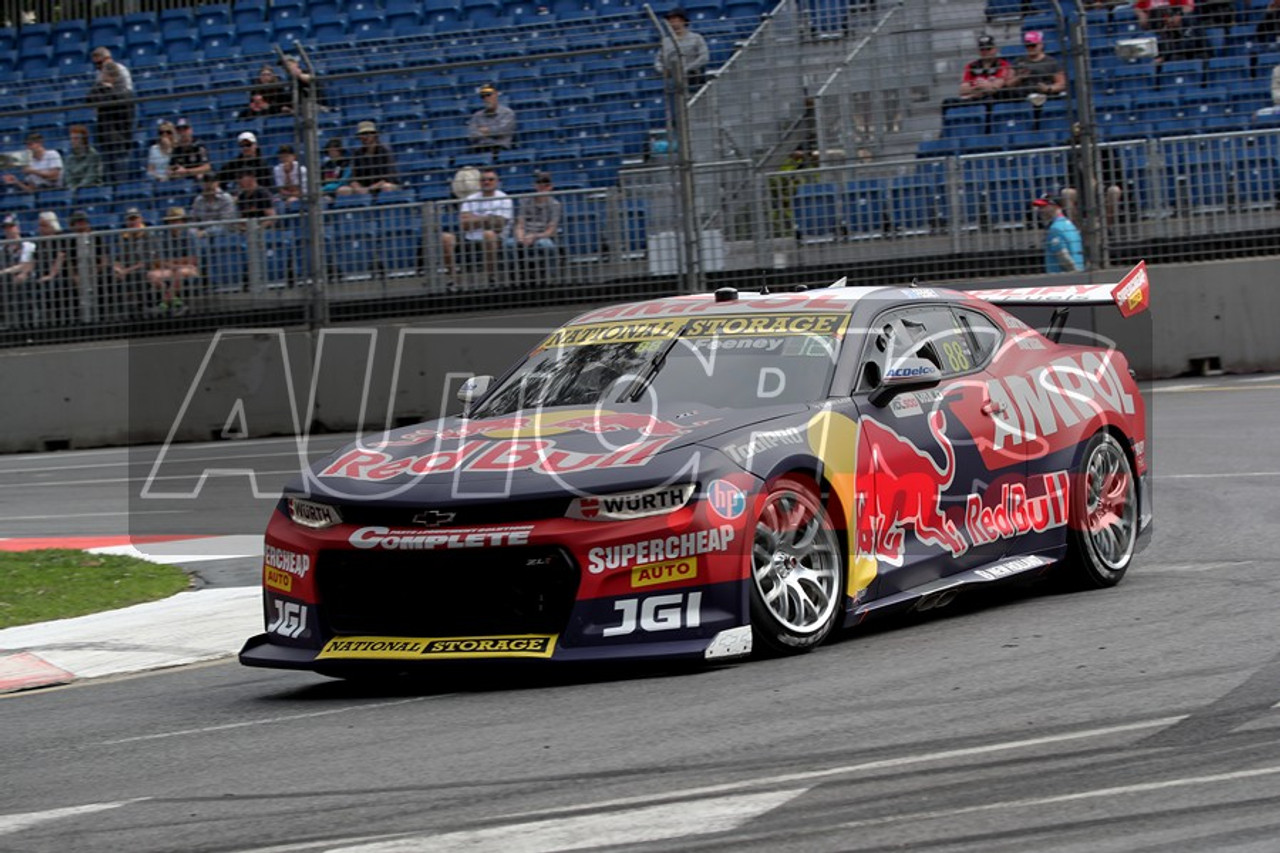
<point>1104,515</point>
<point>797,574</point>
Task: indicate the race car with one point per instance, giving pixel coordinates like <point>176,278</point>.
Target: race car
<point>702,477</point>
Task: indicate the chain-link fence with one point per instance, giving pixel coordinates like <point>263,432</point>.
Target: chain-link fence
<point>827,139</point>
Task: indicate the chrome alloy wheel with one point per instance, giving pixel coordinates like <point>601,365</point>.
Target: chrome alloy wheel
<point>796,561</point>
<point>1110,505</point>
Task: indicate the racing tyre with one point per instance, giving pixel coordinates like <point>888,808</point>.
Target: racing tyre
<point>1104,516</point>
<point>797,574</point>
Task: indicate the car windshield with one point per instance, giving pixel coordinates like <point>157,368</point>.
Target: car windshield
<point>724,362</point>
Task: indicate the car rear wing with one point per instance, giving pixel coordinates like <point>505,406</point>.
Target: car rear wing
<point>1132,293</point>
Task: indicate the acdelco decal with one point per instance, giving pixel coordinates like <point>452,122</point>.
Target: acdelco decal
<point>670,571</point>
<point>388,539</point>
<point>281,566</point>
<point>416,648</point>
<point>538,455</point>
<point>659,550</point>
<point>1016,514</point>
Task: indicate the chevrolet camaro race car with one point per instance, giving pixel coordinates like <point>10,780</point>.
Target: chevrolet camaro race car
<point>701,477</point>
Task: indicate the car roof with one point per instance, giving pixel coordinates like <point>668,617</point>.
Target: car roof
<point>731,301</point>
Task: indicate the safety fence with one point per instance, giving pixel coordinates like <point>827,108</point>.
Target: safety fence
<point>828,139</point>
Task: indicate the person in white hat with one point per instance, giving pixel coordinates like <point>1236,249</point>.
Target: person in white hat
<point>249,159</point>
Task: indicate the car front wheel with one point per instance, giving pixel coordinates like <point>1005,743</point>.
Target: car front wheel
<point>797,574</point>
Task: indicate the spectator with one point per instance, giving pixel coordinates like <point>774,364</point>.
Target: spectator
<point>1213,19</point>
<point>1063,248</point>
<point>258,107</point>
<point>43,170</point>
<point>1268,29</point>
<point>160,154</point>
<point>272,91</point>
<point>254,201</point>
<point>112,95</point>
<point>135,255</point>
<point>493,127</point>
<point>1111,176</point>
<point>174,264</point>
<point>303,81</point>
<point>213,209</point>
<point>782,188</point>
<point>190,159</point>
<point>1173,24</point>
<point>248,160</point>
<point>373,166</point>
<point>985,76</point>
<point>484,218</point>
<point>18,259</point>
<point>54,294</point>
<point>83,163</point>
<point>686,45</point>
<point>290,180</point>
<point>1149,12</point>
<point>1036,75</point>
<point>335,169</point>
<point>88,260</point>
<point>536,226</point>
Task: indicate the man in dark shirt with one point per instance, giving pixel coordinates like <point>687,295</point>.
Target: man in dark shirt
<point>249,159</point>
<point>254,201</point>
<point>189,159</point>
<point>373,166</point>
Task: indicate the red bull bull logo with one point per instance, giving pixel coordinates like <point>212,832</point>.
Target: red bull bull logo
<point>908,493</point>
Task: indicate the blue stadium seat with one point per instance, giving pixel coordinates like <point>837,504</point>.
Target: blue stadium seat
<point>817,213</point>
<point>224,263</point>
<point>1181,75</point>
<point>964,120</point>
<point>399,230</point>
<point>1256,180</point>
<point>1228,71</point>
<point>107,31</point>
<point>350,237</point>
<point>1012,117</point>
<point>1134,77</point>
<point>864,209</point>
<point>71,37</point>
<point>178,22</point>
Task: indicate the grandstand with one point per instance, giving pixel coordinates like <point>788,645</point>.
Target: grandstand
<point>906,185</point>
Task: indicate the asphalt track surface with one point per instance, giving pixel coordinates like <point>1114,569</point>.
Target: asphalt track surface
<point>1143,718</point>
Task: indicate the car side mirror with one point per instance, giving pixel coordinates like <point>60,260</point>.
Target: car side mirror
<point>473,389</point>
<point>905,374</point>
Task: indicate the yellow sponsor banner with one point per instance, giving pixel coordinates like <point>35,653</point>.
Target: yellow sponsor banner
<point>277,579</point>
<point>670,571</point>
<point>698,327</point>
<point>767,325</point>
<point>614,333</point>
<point>439,648</point>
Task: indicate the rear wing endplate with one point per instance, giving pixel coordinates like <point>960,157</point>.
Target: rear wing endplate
<point>1132,293</point>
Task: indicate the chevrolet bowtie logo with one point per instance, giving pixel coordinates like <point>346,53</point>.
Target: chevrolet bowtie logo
<point>433,518</point>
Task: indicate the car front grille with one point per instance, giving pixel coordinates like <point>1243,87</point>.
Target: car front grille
<point>471,592</point>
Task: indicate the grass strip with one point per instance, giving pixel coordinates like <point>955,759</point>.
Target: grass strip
<point>56,583</point>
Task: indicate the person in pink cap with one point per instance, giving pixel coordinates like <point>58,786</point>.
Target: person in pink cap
<point>1036,75</point>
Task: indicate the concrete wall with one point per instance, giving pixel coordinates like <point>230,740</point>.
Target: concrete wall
<point>1223,314</point>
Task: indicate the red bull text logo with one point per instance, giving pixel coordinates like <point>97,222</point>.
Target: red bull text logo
<point>1016,514</point>
<point>537,455</point>
<point>594,421</point>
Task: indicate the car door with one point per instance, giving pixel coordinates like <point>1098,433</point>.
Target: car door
<point>917,450</point>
